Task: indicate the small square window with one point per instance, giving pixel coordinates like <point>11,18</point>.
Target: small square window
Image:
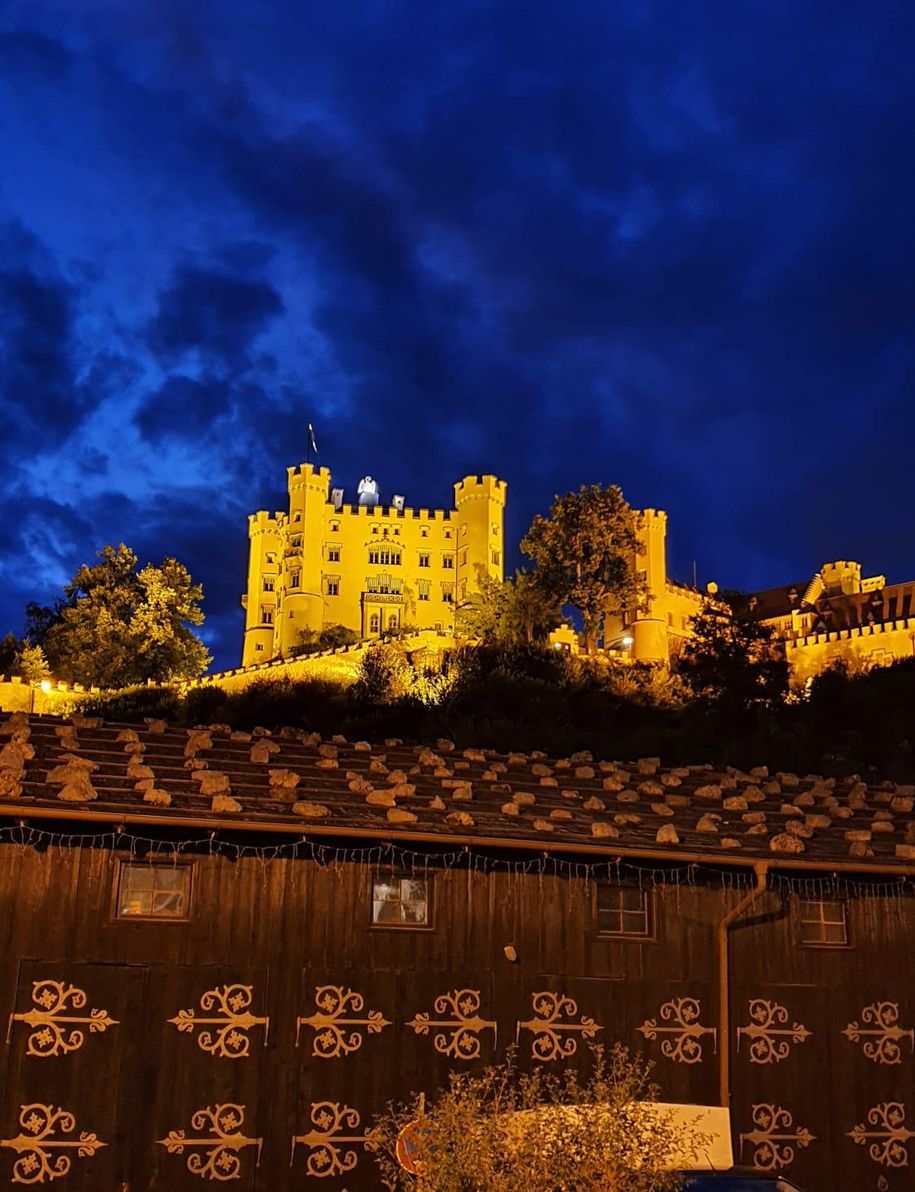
<point>448,562</point>
<point>424,559</point>
<point>823,922</point>
<point>153,891</point>
<point>333,586</point>
<point>333,554</point>
<point>399,901</point>
<point>623,910</point>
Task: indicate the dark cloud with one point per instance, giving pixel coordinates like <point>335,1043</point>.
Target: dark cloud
<point>27,52</point>
<point>668,246</point>
<point>210,310</point>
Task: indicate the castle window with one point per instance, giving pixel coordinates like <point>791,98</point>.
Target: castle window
<point>424,532</point>
<point>271,559</point>
<point>268,585</point>
<point>374,529</point>
<point>259,648</point>
<point>385,556</point>
<point>424,559</point>
<point>266,615</point>
<point>148,890</point>
<point>448,534</point>
<point>392,621</point>
<point>463,558</point>
<point>332,585</point>
<point>297,516</point>
<point>333,554</point>
<point>495,527</point>
<point>335,527</point>
<point>397,531</point>
<point>448,593</point>
<point>374,623</point>
<point>448,562</point>
<point>400,901</point>
<point>423,589</point>
<point>496,558</point>
<point>463,531</point>
<point>622,910</point>
<point>294,579</point>
<point>823,922</point>
<point>295,541</point>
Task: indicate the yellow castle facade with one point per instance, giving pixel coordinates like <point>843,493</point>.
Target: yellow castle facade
<point>371,567</point>
<point>836,615</point>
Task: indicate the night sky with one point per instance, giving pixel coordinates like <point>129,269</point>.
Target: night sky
<point>667,245</point>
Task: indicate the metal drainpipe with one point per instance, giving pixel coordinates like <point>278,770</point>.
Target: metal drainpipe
<point>761,869</point>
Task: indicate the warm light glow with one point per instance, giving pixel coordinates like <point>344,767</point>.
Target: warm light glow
<point>45,684</point>
<point>627,640</point>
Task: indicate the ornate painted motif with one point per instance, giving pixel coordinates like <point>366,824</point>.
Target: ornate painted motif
<point>458,1035</point>
<point>214,1154</point>
<point>553,1038</point>
<point>684,1046</point>
<point>233,1021</point>
<point>330,1149</point>
<point>770,1039</point>
<point>333,1037</point>
<point>42,1153</point>
<point>55,1031</point>
<point>888,1142</point>
<point>776,1139</point>
<point>881,1033</point>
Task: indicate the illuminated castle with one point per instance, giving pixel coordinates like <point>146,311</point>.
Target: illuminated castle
<point>367,566</point>
<point>838,615</point>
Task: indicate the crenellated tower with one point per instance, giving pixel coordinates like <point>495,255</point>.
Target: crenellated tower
<point>480,516</point>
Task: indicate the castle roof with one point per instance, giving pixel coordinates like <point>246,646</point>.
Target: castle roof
<point>894,602</point>
<point>292,781</point>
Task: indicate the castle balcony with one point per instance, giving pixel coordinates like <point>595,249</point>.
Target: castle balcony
<point>292,552</point>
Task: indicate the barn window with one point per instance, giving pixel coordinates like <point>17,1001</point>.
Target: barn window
<point>823,922</point>
<point>623,910</point>
<point>399,901</point>
<point>153,891</point>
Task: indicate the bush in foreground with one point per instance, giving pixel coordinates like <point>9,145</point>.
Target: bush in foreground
<point>504,1130</point>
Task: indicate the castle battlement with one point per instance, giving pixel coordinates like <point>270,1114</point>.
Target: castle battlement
<point>370,568</point>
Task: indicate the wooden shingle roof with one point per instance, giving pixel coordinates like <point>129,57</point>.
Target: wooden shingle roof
<point>293,781</point>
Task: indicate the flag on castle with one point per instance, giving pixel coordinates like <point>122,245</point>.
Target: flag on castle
<point>311,438</point>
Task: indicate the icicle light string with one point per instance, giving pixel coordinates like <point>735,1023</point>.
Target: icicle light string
<point>385,855</point>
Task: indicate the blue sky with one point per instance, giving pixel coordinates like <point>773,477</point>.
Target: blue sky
<point>663,245</point>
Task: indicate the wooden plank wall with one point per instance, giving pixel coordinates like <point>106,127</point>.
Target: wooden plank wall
<point>286,928</point>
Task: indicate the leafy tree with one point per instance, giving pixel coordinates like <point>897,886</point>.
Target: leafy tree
<point>731,658</point>
<point>384,675</point>
<point>507,1131</point>
<point>509,612</point>
<point>9,652</point>
<point>31,663</point>
<point>328,638</point>
<point>585,554</point>
<point>118,625</point>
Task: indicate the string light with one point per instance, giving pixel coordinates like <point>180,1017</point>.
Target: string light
<point>385,854</point>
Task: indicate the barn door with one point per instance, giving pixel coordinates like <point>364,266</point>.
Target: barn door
<point>206,1028</point>
<point>67,1090</point>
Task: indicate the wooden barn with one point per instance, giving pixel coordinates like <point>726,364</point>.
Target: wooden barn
<point>222,953</point>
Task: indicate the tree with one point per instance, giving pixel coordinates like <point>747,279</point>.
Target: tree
<point>731,658</point>
<point>585,554</point>
<point>507,1131</point>
<point>509,612</point>
<point>117,625</point>
<point>31,663</point>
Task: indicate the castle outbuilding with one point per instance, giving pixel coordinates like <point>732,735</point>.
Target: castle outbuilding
<point>369,566</point>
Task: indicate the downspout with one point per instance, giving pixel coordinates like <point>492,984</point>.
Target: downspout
<point>761,869</point>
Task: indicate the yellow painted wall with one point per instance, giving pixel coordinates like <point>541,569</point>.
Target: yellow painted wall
<point>874,645</point>
<point>310,567</point>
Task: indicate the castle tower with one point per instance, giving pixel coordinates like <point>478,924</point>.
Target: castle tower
<point>301,604</point>
<point>480,506</point>
<point>260,599</point>
<point>649,629</point>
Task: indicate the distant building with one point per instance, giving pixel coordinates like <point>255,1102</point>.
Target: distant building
<point>837,616</point>
<point>370,566</point>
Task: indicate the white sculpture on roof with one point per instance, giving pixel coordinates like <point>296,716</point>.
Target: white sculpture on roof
<point>368,491</point>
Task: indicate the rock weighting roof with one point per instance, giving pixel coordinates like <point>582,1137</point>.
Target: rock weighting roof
<point>292,781</point>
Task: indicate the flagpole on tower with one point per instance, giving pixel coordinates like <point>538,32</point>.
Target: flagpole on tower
<point>310,443</point>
